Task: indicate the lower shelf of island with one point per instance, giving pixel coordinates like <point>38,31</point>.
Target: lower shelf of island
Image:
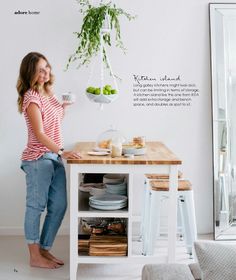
<point>134,259</point>
<point>105,236</point>
<point>111,214</point>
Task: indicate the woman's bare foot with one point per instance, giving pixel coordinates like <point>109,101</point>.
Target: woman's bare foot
<point>49,256</point>
<point>37,260</point>
<point>42,262</point>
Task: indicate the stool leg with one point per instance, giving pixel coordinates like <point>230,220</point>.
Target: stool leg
<point>146,224</point>
<point>180,219</point>
<point>145,205</point>
<point>154,221</point>
<point>189,220</point>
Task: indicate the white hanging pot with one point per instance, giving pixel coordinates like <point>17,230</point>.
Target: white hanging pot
<point>103,93</point>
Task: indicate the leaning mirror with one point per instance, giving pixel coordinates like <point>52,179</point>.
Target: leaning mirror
<point>223,62</point>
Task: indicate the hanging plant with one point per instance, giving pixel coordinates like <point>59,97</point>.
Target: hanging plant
<point>97,22</point>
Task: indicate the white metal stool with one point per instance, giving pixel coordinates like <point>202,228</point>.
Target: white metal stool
<point>157,190</point>
<point>145,199</point>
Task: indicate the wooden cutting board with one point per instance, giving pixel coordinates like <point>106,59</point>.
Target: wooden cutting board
<point>108,245</point>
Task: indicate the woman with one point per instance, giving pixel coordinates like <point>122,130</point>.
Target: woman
<point>42,158</point>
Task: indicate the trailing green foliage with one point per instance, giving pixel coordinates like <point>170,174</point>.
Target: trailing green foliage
<point>90,34</point>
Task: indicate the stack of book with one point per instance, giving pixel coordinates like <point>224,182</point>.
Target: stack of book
<point>108,245</point>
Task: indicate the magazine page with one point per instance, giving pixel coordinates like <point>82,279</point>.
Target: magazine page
<point>129,95</point>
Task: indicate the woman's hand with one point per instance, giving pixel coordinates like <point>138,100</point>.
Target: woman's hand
<point>66,103</point>
<point>70,155</point>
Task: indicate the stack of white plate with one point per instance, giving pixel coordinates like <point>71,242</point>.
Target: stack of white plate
<point>120,189</point>
<point>108,202</point>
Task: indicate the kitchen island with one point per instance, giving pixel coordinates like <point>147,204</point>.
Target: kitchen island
<point>158,159</point>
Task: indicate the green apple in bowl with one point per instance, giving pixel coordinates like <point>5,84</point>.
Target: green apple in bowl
<point>90,89</point>
<point>107,90</point>
<point>108,87</point>
<point>97,91</point>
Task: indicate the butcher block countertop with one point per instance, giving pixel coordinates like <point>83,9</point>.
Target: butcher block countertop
<point>156,153</point>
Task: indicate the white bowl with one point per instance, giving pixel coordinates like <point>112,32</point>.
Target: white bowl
<point>128,150</point>
<point>96,191</point>
<point>117,186</point>
<point>113,178</point>
<point>101,98</point>
<point>140,151</point>
<point>133,151</point>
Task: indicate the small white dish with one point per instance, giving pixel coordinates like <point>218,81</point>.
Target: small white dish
<point>129,155</point>
<point>93,153</point>
<point>97,149</point>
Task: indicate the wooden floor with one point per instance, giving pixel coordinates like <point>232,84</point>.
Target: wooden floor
<point>14,262</point>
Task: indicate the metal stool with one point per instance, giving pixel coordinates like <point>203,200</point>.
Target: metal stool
<point>156,191</point>
<point>145,199</point>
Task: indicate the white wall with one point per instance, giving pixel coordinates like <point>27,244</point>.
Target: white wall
<point>168,37</point>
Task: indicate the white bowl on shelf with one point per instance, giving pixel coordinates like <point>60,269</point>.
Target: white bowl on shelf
<point>113,178</point>
<point>120,189</point>
<point>97,191</point>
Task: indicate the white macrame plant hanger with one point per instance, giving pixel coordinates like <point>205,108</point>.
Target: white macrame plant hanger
<point>102,98</point>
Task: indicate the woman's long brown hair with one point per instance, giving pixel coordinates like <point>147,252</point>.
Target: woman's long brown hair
<point>27,76</point>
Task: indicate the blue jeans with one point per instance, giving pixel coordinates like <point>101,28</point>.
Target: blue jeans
<point>46,188</point>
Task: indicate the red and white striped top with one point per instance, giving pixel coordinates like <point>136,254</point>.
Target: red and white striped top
<point>52,114</point>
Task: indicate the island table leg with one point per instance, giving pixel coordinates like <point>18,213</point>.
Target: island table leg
<point>73,221</point>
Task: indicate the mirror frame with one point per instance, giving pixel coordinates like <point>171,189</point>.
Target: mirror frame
<point>213,9</point>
